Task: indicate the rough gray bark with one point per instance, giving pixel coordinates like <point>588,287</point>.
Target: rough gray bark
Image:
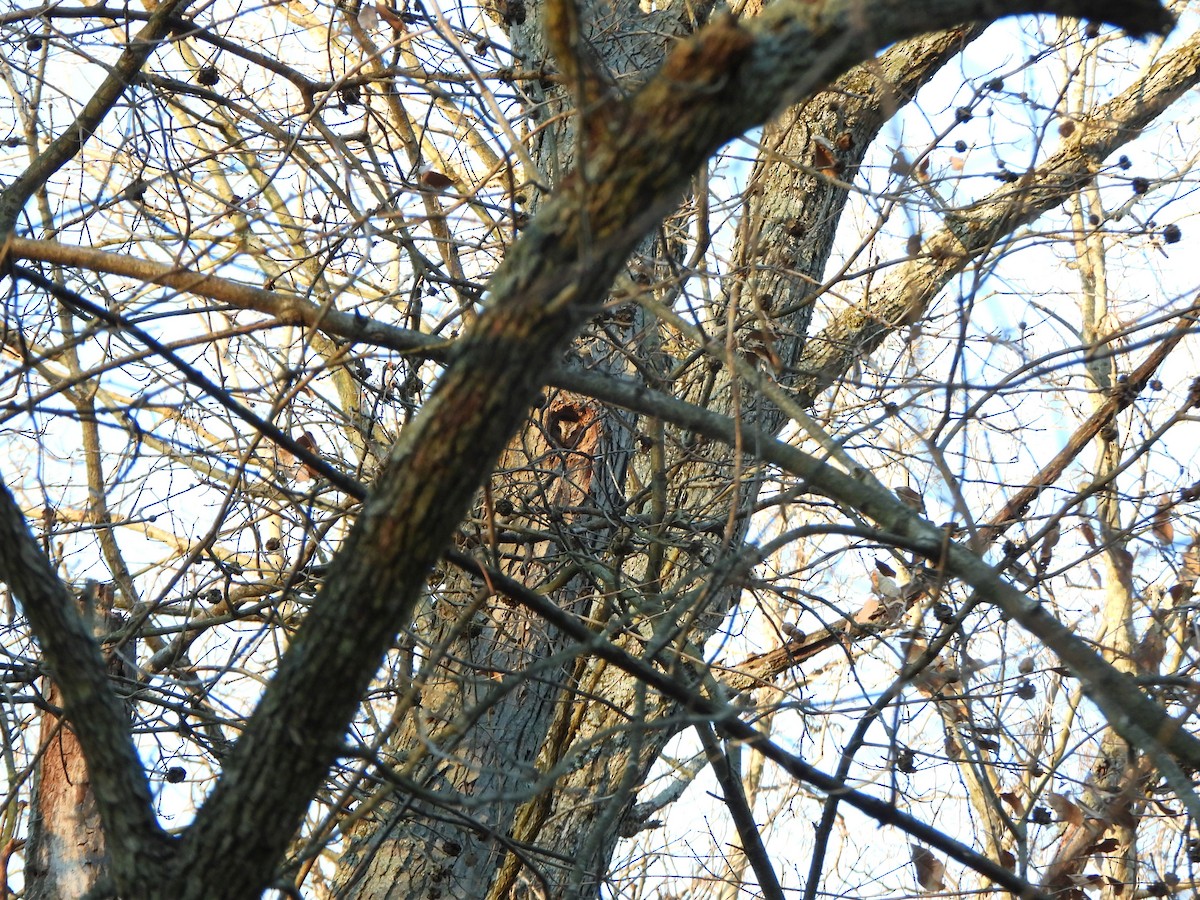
<point>727,79</point>
<point>519,738</point>
<point>136,843</point>
<point>791,226</point>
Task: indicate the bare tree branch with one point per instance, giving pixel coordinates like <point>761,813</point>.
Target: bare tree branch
<point>711,88</point>
<point>68,144</point>
<point>904,296</point>
<point>138,844</point>
<point>728,78</point>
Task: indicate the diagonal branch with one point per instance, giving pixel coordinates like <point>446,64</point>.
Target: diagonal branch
<point>67,145</point>
<point>286,308</point>
<point>714,86</point>
<point>137,843</point>
<point>281,438</point>
<point>727,722</point>
<point>1120,399</point>
<point>1140,720</point>
<point>907,292</point>
<point>740,812</point>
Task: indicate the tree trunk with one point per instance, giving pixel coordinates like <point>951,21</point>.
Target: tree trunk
<point>561,769</point>
<point>518,754</point>
<point>67,855</point>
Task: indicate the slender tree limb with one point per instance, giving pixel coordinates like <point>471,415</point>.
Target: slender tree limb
<point>1130,712</point>
<point>1119,400</point>
<point>286,308</point>
<point>137,843</point>
<point>67,145</point>
<point>290,308</point>
<point>314,461</point>
<point>764,666</point>
<point>904,296</point>
<point>788,226</point>
<point>858,737</point>
<point>638,398</point>
<point>727,722</point>
<point>741,813</point>
<point>712,87</point>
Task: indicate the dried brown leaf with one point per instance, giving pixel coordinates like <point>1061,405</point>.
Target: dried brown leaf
<point>1014,802</point>
<point>1064,808</point>
<point>760,342</point>
<point>1049,542</point>
<point>1123,817</point>
<point>930,870</point>
<point>825,162</point>
<point>876,612</point>
<point>1150,650</point>
<point>910,498</point>
<point>1089,534</point>
<point>390,17</point>
<point>1161,525</point>
<point>307,442</point>
<point>434,179</point>
<point>1190,570</point>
